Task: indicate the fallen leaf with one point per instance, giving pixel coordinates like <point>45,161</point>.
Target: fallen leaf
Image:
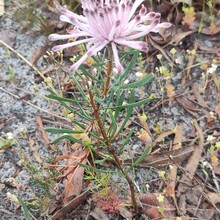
<point>14,199</point>
<point>151,206</point>
<point>163,159</point>
<point>33,149</point>
<point>173,172</point>
<point>74,182</point>
<point>193,162</point>
<point>70,206</point>
<point>180,36</point>
<point>98,214</point>
<point>214,197</point>
<point>44,134</point>
<point>125,213</point>
<point>187,105</point>
<point>164,135</point>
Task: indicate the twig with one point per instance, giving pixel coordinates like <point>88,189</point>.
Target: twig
<point>31,104</point>
<point>29,63</point>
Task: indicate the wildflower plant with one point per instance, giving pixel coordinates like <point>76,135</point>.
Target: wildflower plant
<point>105,25</point>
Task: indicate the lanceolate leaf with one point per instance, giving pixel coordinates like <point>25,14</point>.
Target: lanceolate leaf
<point>131,64</point>
<point>113,127</point>
<point>143,155</point>
<point>119,101</point>
<point>25,209</point>
<point>136,84</point>
<point>134,104</point>
<point>61,99</point>
<point>129,112</point>
<point>62,131</point>
<point>68,137</point>
<point>86,73</point>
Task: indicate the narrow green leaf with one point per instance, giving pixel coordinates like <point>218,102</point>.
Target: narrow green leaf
<point>126,141</point>
<point>119,101</point>
<point>129,112</point>
<point>86,73</point>
<point>98,100</point>
<point>136,84</point>
<point>62,131</point>
<point>27,214</point>
<point>143,155</point>
<point>68,137</point>
<point>113,127</point>
<point>134,104</point>
<point>61,99</point>
<point>79,87</point>
<point>131,64</point>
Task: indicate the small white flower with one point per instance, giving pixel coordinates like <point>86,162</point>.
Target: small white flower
<point>210,138</point>
<point>10,136</point>
<point>115,71</point>
<point>139,74</point>
<point>212,69</point>
<point>89,84</point>
<point>126,81</point>
<point>205,163</point>
<point>94,70</point>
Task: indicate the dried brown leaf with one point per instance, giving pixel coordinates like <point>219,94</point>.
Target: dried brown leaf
<point>214,197</point>
<point>187,105</point>
<point>173,172</point>
<point>70,205</point>
<point>180,36</point>
<point>125,213</point>
<point>163,159</point>
<point>193,162</point>
<point>150,205</point>
<point>98,214</point>
<point>44,134</point>
<point>164,135</point>
<point>33,149</point>
<point>74,175</point>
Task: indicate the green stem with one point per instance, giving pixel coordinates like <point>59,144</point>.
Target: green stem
<point>109,71</point>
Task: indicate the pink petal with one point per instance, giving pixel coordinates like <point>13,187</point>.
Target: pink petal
<point>139,45</point>
<point>64,46</point>
<point>118,65</point>
<point>93,50</point>
<point>54,37</point>
<point>146,30</point>
<point>161,25</point>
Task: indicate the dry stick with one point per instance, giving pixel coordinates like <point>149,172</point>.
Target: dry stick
<point>31,104</point>
<point>29,63</point>
<point>112,151</point>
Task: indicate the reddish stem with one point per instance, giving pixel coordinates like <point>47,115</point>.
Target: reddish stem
<point>112,151</point>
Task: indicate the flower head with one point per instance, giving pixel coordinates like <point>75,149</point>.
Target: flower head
<point>108,22</point>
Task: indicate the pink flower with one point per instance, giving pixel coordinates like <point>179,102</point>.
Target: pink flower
<point>108,22</point>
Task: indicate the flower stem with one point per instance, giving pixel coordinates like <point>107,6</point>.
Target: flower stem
<point>109,71</point>
<point>112,151</point>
